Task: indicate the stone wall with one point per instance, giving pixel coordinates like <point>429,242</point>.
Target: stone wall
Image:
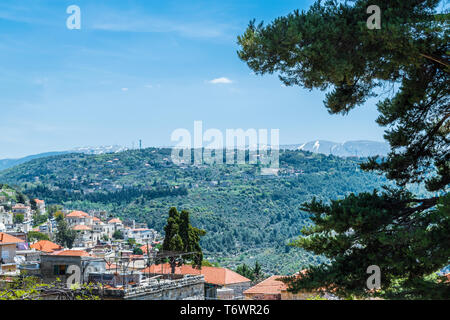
<point>239,288</point>
<point>187,288</point>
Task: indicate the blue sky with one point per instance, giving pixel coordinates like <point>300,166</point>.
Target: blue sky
<point>140,70</point>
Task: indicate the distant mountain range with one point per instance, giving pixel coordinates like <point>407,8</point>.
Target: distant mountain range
<point>361,148</point>
<point>9,163</point>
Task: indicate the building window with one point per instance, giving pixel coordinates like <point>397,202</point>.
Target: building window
<point>59,270</point>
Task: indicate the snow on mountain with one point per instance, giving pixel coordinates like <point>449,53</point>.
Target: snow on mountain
<point>360,148</point>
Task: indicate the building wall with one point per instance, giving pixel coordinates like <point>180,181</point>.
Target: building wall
<point>8,252</point>
<point>284,295</point>
<point>297,296</point>
<point>48,263</point>
<point>6,218</point>
<point>262,296</point>
<point>188,288</point>
<point>239,288</point>
<point>189,292</point>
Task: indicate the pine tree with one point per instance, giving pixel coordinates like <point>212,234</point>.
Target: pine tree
<point>330,47</point>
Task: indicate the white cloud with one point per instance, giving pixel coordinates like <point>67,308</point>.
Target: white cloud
<point>222,80</point>
<point>124,89</point>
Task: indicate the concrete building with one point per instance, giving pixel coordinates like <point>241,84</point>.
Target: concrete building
<point>55,265</point>
<point>40,204</point>
<point>117,224</point>
<point>141,235</point>
<point>6,217</point>
<point>103,229</point>
<point>79,218</point>
<point>23,210</point>
<point>86,237</point>
<point>8,249</point>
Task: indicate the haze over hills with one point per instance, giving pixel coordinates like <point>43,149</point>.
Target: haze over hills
<point>9,163</point>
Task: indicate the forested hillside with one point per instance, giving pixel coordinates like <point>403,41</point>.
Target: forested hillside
<point>247,216</point>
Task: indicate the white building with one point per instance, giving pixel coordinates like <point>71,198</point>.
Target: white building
<point>6,217</point>
<point>86,237</point>
<point>40,204</point>
<point>141,235</point>
<point>102,228</point>
<point>79,218</point>
<point>117,224</point>
<point>23,210</point>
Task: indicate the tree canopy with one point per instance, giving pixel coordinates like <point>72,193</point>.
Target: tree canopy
<point>405,64</point>
<point>65,236</point>
<point>182,237</point>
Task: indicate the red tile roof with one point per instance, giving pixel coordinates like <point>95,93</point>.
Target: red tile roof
<point>72,253</point>
<point>39,201</point>
<point>6,238</point>
<point>213,275</point>
<point>115,220</point>
<point>46,246</point>
<point>81,227</point>
<point>269,286</point>
<point>77,214</point>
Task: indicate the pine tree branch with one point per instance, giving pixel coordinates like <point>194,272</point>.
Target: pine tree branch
<point>435,60</point>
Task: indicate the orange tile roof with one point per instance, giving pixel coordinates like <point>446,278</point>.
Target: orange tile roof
<point>213,275</point>
<point>46,246</point>
<point>269,286</point>
<point>39,201</point>
<point>81,227</point>
<point>115,220</point>
<point>96,219</point>
<point>6,238</point>
<point>72,253</point>
<point>77,214</point>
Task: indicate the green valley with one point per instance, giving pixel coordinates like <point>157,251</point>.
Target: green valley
<point>248,217</point>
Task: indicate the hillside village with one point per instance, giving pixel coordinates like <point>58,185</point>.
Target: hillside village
<point>248,217</point>
<point>120,255</point>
